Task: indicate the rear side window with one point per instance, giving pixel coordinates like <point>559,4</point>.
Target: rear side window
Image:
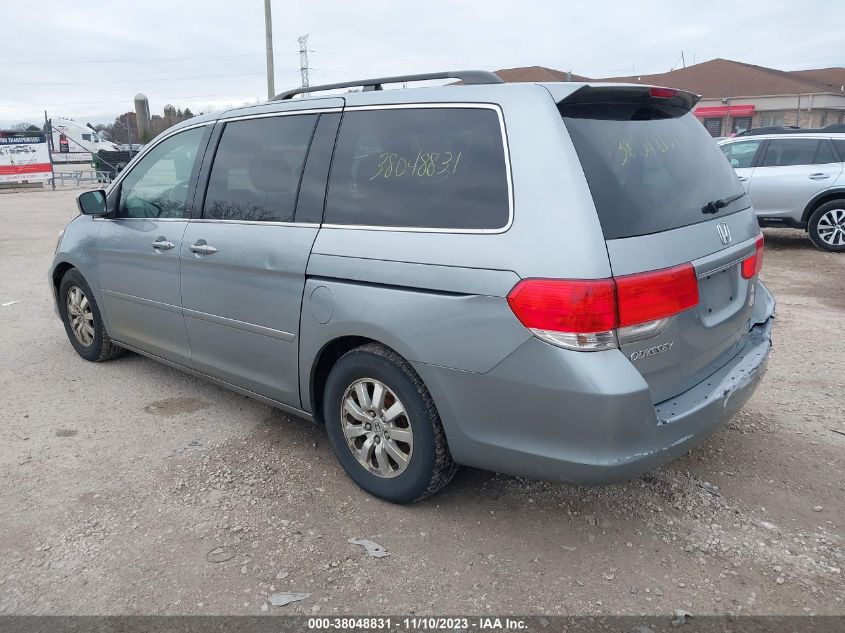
<point>420,167</point>
<point>840,148</point>
<point>790,151</point>
<point>257,167</point>
<point>650,168</point>
<point>740,154</point>
<point>825,154</point>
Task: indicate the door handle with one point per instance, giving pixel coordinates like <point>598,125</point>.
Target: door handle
<point>819,176</point>
<point>201,247</point>
<point>161,244</point>
<point>743,178</point>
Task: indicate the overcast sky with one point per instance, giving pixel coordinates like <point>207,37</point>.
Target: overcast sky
<point>87,59</point>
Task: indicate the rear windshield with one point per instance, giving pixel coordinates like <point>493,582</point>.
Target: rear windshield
<point>650,168</point>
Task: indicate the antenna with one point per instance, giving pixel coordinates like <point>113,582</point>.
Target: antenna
<point>303,60</point>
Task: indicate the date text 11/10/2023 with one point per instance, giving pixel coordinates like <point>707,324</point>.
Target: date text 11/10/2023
<point>417,623</point>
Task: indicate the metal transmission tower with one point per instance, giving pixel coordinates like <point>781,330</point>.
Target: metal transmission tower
<point>303,61</point>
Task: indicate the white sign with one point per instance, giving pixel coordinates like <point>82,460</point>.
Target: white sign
<point>24,158</point>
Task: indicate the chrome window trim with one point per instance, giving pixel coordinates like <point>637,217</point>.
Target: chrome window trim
<point>311,225</point>
<point>266,115</point>
<point>100,218</point>
<point>459,105</point>
<point>149,147</point>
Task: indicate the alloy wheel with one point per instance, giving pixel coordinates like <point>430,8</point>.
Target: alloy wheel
<point>377,427</point>
<point>831,227</point>
<point>80,316</point>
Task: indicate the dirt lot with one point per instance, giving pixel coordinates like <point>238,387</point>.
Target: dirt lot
<point>129,487</point>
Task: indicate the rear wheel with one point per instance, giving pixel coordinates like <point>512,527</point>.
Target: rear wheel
<point>384,427</point>
<point>83,324</point>
<point>827,226</point>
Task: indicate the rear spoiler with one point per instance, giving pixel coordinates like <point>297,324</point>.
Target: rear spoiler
<point>627,93</point>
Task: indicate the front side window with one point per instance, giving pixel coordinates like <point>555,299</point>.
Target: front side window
<point>421,168</point>
<point>257,169</point>
<point>157,187</point>
<point>790,151</point>
<point>740,154</point>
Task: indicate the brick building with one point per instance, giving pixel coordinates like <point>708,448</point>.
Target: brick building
<point>737,96</point>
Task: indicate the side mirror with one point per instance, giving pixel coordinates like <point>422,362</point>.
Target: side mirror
<point>92,202</point>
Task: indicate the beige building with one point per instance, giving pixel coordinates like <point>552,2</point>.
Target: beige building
<point>737,96</point>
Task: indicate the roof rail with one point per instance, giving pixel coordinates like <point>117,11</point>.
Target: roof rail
<point>466,76</point>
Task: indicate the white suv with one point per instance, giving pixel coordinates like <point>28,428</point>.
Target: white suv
<point>795,180</point>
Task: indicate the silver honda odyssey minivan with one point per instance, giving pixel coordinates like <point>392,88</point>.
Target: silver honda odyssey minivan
<point>556,280</point>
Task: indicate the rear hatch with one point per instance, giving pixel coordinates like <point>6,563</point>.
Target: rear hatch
<point>667,198</point>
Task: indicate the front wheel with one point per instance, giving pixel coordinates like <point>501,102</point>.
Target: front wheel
<point>827,226</point>
<point>384,427</point>
<point>83,323</point>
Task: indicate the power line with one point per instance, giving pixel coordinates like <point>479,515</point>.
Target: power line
<point>136,60</point>
<point>407,61</point>
<point>171,98</point>
<point>135,81</point>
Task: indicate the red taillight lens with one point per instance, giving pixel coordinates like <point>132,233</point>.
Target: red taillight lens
<point>754,264</point>
<point>662,93</point>
<point>563,305</point>
<point>657,294</point>
<point>601,305</point>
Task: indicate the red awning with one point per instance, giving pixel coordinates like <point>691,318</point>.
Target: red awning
<point>720,111</point>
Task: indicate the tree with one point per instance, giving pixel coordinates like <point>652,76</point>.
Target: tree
<point>33,128</point>
<point>187,114</point>
<point>124,127</point>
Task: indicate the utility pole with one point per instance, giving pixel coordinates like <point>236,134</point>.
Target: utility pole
<point>303,61</point>
<point>683,61</point>
<point>48,132</point>
<point>268,35</point>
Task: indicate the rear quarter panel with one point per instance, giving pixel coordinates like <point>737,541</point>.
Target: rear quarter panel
<point>446,316</point>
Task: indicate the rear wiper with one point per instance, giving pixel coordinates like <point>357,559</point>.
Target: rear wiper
<point>714,205</point>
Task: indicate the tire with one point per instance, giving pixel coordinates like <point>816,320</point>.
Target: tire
<point>93,342</point>
<point>829,215</point>
<point>428,465</point>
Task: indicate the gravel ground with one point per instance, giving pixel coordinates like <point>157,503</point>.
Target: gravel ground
<point>131,488</point>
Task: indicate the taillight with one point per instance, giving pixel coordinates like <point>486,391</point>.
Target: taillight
<point>654,295</point>
<point>662,93</point>
<point>592,314</point>
<point>753,264</point>
<point>565,305</point>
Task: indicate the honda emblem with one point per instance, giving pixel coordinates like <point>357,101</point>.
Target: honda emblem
<point>724,232</point>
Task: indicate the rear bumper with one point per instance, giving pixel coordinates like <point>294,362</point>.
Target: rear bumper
<point>588,418</point>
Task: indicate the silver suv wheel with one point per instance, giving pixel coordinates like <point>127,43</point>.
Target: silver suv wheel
<point>377,427</point>
<point>831,227</point>
<point>80,316</point>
